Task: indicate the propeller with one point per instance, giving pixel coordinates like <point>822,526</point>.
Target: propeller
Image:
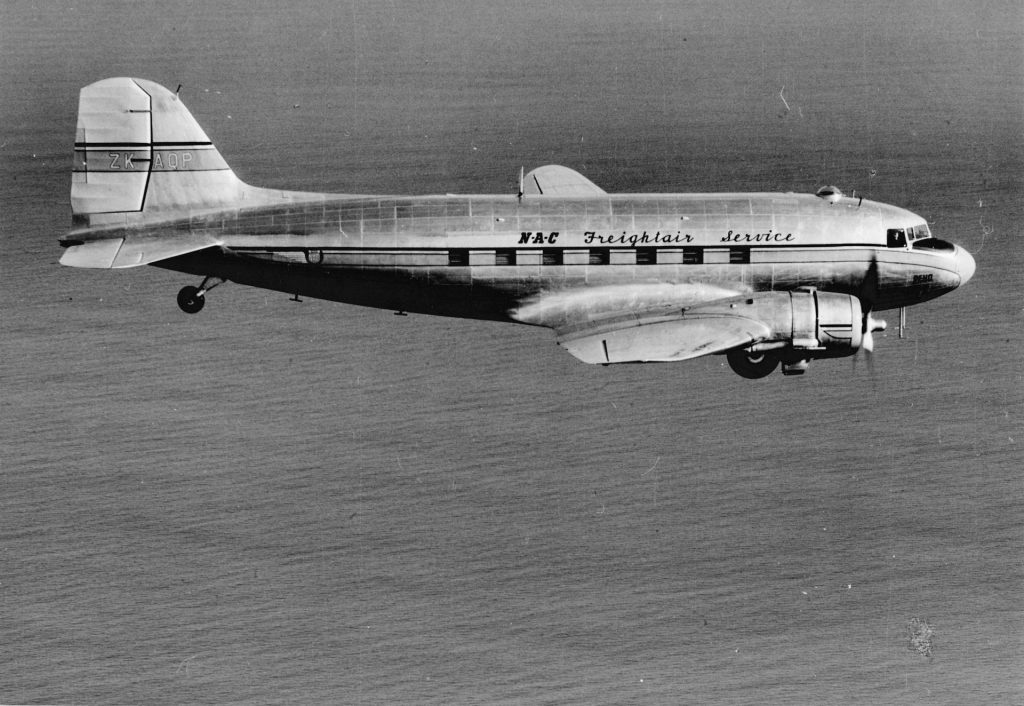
<point>867,294</point>
<point>871,324</point>
<point>867,340</point>
<point>868,291</point>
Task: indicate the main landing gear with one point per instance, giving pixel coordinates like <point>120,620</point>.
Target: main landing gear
<point>758,364</point>
<point>751,365</point>
<point>191,299</point>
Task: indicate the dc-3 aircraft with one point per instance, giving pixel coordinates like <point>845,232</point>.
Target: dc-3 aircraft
<point>763,278</point>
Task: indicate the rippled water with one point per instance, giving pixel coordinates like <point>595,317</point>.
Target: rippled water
<point>278,502</point>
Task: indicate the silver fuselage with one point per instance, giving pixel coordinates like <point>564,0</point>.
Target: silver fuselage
<point>484,256</point>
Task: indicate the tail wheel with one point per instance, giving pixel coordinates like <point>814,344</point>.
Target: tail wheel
<point>751,365</point>
<point>190,300</point>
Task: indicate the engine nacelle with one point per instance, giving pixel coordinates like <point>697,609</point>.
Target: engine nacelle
<point>823,324</point>
<point>804,324</point>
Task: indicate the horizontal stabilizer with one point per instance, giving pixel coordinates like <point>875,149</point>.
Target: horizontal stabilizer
<point>555,180</point>
<point>665,341</point>
<point>98,253</point>
<point>116,253</point>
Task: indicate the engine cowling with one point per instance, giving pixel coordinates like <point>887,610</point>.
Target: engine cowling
<point>804,324</point>
<point>826,324</point>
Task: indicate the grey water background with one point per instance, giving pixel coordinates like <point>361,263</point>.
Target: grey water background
<point>275,502</point>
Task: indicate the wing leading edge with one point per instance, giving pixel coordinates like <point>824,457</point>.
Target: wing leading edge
<point>666,341</point>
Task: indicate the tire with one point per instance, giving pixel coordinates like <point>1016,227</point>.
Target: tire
<point>751,365</point>
<point>190,300</point>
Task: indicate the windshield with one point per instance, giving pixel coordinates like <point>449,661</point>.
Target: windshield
<point>899,237</point>
<point>932,244</point>
<point>918,232</point>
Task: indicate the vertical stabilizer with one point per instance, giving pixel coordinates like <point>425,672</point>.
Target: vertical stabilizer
<point>139,153</point>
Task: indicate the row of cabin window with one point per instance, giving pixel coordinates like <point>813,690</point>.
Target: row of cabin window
<point>598,256</point>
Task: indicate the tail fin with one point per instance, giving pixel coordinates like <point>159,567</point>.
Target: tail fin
<point>140,154</point>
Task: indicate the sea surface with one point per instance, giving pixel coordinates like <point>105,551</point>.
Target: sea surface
<point>285,502</point>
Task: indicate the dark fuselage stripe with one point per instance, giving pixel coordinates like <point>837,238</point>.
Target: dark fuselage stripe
<point>107,145</point>
<point>576,248</point>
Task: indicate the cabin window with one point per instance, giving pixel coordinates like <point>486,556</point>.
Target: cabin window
<point>739,256</point>
<point>693,256</point>
<point>599,256</point>
<point>457,209</point>
<point>458,258</point>
<point>551,256</point>
<point>505,257</point>
<point>647,256</point>
<point>895,238</point>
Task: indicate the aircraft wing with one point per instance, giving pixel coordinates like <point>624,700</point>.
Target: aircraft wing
<point>654,340</point>
<point>556,180</point>
<point>645,322</point>
<point>116,253</point>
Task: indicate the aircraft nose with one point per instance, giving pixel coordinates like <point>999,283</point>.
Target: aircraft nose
<point>964,265</point>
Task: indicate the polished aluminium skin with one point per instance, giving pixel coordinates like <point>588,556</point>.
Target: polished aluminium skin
<point>764,278</point>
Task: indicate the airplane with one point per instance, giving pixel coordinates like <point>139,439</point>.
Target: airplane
<point>766,279</point>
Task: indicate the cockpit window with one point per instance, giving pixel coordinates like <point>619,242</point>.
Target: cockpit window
<point>895,238</point>
<point>918,232</point>
<point>899,237</point>
<point>932,244</point>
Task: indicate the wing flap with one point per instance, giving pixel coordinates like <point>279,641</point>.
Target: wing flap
<point>663,341</point>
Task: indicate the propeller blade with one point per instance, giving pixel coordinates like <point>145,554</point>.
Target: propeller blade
<point>868,291</point>
<point>867,294</point>
<point>867,340</point>
<point>871,324</point>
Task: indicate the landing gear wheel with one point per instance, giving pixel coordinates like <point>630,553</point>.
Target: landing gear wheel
<point>751,365</point>
<point>190,300</point>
